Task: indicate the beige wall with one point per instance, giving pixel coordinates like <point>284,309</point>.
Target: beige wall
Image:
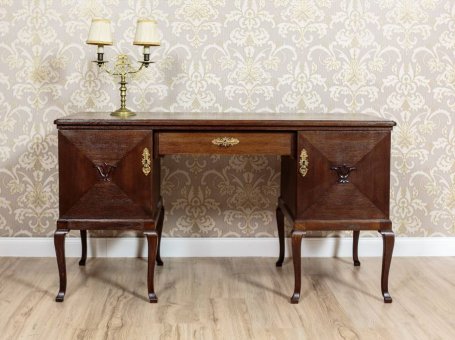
<point>392,58</point>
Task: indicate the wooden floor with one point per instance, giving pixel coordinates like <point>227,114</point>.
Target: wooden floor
<point>231,299</point>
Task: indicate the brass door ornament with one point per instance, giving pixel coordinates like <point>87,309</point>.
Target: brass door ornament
<point>343,172</point>
<point>146,162</point>
<point>225,142</point>
<point>105,171</point>
<point>303,163</point>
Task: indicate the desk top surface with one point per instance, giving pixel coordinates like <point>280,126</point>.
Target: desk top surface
<point>226,119</point>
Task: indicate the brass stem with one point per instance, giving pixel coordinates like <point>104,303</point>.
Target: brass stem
<point>123,92</point>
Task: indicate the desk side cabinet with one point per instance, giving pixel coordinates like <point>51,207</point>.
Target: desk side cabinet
<point>347,175</point>
<point>342,180</point>
<point>109,179</point>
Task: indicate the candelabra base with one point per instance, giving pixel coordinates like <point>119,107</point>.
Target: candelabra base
<point>123,113</point>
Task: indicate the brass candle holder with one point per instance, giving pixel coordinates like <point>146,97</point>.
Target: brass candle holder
<point>146,36</point>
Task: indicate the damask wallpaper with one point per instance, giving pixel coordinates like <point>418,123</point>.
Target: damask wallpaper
<point>392,58</point>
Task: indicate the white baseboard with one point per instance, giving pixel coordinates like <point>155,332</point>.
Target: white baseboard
<point>226,247</point>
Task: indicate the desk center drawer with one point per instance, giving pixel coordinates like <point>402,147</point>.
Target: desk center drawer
<point>225,143</point>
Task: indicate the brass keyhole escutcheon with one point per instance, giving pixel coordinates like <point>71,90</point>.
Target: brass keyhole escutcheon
<point>303,163</point>
<point>146,162</point>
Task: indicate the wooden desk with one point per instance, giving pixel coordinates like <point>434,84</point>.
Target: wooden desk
<point>335,174</point>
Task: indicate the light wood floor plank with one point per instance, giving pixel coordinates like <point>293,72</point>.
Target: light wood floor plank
<point>220,298</point>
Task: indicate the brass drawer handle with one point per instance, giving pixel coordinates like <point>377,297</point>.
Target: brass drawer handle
<point>146,162</point>
<point>303,163</point>
<point>225,142</point>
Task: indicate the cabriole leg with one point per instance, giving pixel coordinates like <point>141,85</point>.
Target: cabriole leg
<point>296,259</point>
<point>59,243</point>
<point>152,241</point>
<point>388,238</point>
<point>355,248</point>
<point>84,247</point>
<point>280,226</point>
<point>159,229</point>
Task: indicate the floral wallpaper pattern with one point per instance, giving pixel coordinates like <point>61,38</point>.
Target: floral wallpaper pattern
<point>392,58</point>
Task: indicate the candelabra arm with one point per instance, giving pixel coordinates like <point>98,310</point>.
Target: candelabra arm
<point>104,68</point>
<point>139,69</point>
<point>113,72</point>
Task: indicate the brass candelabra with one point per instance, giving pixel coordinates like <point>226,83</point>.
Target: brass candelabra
<point>146,36</point>
<point>123,69</point>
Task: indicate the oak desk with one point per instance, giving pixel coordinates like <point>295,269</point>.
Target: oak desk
<point>335,174</point>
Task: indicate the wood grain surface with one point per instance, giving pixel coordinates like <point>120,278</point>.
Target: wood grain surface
<point>223,120</point>
<point>195,143</point>
<point>222,298</point>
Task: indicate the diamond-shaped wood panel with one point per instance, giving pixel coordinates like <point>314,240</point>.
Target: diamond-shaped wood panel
<point>101,174</point>
<point>364,192</point>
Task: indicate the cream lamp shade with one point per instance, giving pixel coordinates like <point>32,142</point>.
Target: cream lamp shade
<point>146,33</point>
<point>100,32</point>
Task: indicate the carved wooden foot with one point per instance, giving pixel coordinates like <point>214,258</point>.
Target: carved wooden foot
<point>388,238</point>
<point>152,240</point>
<point>84,247</point>
<point>280,226</point>
<point>296,259</point>
<point>153,298</point>
<point>159,229</point>
<point>59,243</point>
<point>355,248</point>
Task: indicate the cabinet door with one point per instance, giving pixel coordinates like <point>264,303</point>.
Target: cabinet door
<point>343,175</point>
<point>107,174</point>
